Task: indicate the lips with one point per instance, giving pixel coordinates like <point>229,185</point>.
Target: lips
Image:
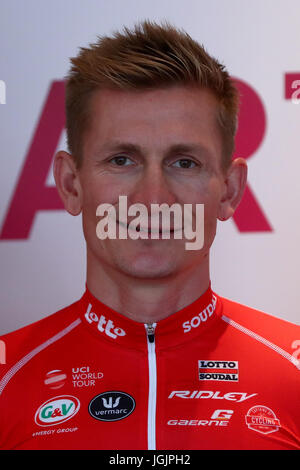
<point>148,230</point>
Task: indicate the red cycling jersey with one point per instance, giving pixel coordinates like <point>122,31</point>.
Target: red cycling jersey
<point>214,375</point>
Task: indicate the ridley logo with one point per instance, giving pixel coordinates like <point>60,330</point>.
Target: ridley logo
<point>111,406</point>
<point>57,410</point>
<point>109,329</point>
<point>232,396</point>
<point>262,419</point>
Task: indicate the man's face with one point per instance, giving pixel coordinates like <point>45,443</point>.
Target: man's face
<point>158,146</point>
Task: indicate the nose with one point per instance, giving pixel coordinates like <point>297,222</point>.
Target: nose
<point>153,187</point>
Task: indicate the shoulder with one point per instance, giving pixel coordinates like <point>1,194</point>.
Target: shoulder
<point>262,326</point>
<point>37,335</point>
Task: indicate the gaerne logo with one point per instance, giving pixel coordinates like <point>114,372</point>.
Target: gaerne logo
<point>57,410</point>
<point>232,396</point>
<point>262,419</point>
<point>218,418</point>
<point>111,406</point>
<point>219,370</point>
<point>201,317</point>
<point>103,325</point>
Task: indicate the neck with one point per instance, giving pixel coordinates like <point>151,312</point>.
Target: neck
<point>146,301</point>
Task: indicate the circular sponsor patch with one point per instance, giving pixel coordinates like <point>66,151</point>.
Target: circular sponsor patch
<point>111,406</point>
<point>262,419</point>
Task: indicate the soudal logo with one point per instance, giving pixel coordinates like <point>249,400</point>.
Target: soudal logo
<point>57,410</point>
<point>103,325</point>
<point>232,396</point>
<point>262,419</point>
<point>202,317</point>
<point>111,406</point>
<point>218,418</point>
<point>218,370</point>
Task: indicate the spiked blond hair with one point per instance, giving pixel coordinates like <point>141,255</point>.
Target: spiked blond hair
<point>148,56</point>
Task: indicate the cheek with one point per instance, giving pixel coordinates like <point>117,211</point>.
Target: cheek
<point>207,192</point>
<point>97,192</point>
<point>209,195</point>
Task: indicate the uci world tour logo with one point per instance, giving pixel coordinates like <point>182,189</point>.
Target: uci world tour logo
<point>57,410</point>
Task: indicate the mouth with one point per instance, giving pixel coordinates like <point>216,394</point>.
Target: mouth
<point>152,230</point>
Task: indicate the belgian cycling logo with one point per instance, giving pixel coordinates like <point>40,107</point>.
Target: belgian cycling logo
<point>103,325</point>
<point>57,410</point>
<point>55,379</point>
<point>262,419</point>
<point>218,370</point>
<point>111,406</point>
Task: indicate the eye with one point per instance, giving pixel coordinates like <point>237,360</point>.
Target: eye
<point>121,161</point>
<point>185,163</point>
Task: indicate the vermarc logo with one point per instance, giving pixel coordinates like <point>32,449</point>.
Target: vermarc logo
<point>111,406</point>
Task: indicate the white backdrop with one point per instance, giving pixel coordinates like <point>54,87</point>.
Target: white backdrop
<point>257,40</point>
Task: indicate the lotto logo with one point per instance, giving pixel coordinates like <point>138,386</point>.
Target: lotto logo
<point>103,325</point>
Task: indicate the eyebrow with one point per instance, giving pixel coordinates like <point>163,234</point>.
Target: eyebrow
<point>175,148</point>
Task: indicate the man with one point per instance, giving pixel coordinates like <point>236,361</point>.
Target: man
<point>150,357</point>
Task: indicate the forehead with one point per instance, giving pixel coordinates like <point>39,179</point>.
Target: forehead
<point>161,117</point>
<point>176,99</point>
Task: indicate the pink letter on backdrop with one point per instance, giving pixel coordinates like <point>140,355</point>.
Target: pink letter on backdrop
<point>249,216</point>
<point>31,194</point>
<point>291,84</point>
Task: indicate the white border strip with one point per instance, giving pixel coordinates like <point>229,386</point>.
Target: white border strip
<point>267,343</point>
<point>9,374</point>
<point>151,432</point>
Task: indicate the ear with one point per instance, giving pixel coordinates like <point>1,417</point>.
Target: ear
<point>235,183</point>
<point>67,182</point>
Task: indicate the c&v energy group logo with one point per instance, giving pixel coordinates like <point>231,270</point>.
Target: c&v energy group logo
<point>56,410</point>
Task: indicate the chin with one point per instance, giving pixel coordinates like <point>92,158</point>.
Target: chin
<point>148,267</point>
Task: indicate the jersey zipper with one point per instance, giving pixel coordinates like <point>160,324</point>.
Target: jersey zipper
<point>151,431</point>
